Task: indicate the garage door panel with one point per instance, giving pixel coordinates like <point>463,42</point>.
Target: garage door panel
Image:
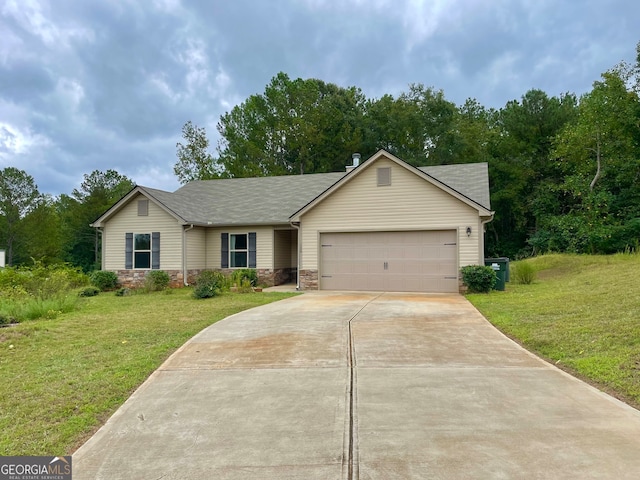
<point>421,261</point>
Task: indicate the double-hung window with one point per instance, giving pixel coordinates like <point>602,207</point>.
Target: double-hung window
<point>142,250</point>
<point>238,250</point>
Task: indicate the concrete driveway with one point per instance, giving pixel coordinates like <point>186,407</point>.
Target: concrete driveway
<point>435,392</point>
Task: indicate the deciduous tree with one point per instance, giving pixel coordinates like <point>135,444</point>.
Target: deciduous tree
<point>194,160</point>
<point>295,126</point>
<point>19,195</point>
<point>98,191</point>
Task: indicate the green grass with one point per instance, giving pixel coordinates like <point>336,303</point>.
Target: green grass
<point>61,378</point>
<point>582,314</point>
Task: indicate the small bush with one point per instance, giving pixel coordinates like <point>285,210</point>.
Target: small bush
<point>104,280</point>
<point>523,272</point>
<point>156,281</point>
<point>39,291</point>
<point>209,284</point>
<point>249,274</point>
<point>245,286</point>
<point>123,292</point>
<point>6,319</point>
<point>49,281</point>
<point>89,291</point>
<point>479,278</point>
<point>46,308</point>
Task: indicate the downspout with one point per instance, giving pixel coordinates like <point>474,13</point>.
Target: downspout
<point>101,232</point>
<point>185,270</point>
<point>297,227</point>
<point>483,224</point>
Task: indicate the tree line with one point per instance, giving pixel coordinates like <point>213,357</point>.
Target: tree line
<point>564,170</point>
<point>37,227</point>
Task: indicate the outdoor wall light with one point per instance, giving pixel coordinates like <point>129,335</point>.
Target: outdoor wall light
<point>468,231</point>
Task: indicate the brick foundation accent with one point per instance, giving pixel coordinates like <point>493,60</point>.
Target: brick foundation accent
<point>135,278</point>
<point>308,279</point>
<point>279,276</point>
<point>267,277</point>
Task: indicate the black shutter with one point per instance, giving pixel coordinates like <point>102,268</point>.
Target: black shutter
<point>252,249</point>
<point>224,252</point>
<point>128,251</point>
<point>155,250</point>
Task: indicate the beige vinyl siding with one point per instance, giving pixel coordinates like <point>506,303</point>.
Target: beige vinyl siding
<point>294,249</point>
<point>128,220</point>
<point>409,203</point>
<point>196,248</point>
<point>264,245</point>
<point>283,244</point>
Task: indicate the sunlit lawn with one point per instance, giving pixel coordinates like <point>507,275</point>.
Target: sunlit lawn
<point>60,379</point>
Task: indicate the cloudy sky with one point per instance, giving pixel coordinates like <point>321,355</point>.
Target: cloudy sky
<point>106,84</point>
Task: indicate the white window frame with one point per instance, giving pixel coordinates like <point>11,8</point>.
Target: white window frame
<point>135,251</point>
<point>232,251</point>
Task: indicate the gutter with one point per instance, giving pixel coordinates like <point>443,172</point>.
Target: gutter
<point>185,271</point>
<point>296,225</point>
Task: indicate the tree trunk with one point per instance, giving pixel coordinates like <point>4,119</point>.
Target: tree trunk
<point>598,162</point>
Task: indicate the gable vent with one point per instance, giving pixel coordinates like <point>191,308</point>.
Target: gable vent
<point>384,176</point>
<point>143,208</point>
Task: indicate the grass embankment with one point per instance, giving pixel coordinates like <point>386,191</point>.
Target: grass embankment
<point>62,378</point>
<point>582,314</point>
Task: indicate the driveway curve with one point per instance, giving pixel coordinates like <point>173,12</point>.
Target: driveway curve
<point>386,386</point>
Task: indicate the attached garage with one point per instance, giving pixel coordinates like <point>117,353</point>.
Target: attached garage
<point>388,226</point>
<point>406,261</point>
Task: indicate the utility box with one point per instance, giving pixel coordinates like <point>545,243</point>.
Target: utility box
<point>499,265</point>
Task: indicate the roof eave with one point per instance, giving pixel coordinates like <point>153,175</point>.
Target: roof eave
<point>277,223</point>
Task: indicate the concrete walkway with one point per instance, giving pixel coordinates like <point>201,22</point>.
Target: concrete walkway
<point>434,392</point>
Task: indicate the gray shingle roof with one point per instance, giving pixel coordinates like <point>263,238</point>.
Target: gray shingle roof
<point>272,200</point>
<point>255,201</point>
<point>469,179</point>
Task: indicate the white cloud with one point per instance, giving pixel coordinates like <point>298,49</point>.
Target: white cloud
<point>423,18</point>
<point>16,141</point>
<point>70,92</point>
<point>170,6</point>
<point>35,17</point>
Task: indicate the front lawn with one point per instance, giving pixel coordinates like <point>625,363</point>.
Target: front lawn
<point>581,314</point>
<point>61,378</point>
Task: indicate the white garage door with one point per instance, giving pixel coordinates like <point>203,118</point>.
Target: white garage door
<point>424,261</point>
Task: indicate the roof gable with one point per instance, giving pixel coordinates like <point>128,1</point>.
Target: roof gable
<point>161,198</point>
<point>461,175</point>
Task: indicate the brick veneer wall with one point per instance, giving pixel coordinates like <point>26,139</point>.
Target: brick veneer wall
<point>135,278</point>
<point>268,277</point>
<point>308,279</point>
